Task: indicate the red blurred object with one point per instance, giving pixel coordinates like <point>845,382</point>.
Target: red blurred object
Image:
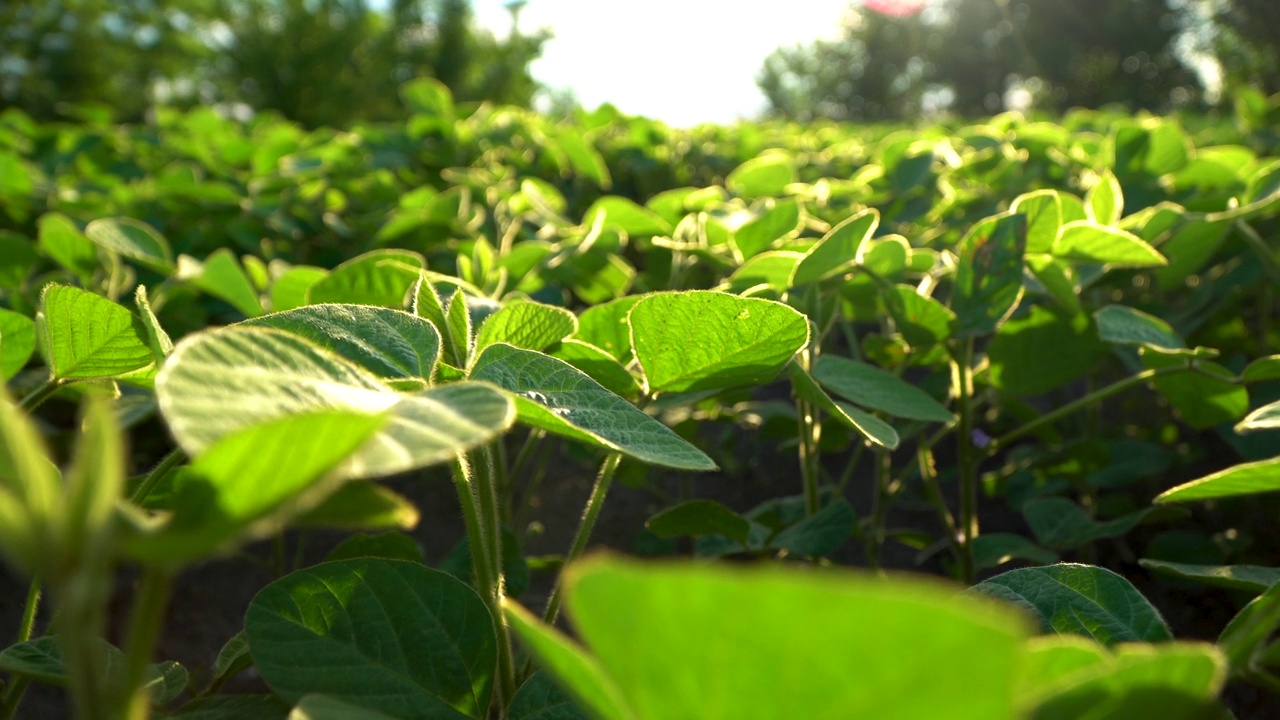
<point>895,8</point>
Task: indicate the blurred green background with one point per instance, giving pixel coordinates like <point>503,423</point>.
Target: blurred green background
<point>336,62</point>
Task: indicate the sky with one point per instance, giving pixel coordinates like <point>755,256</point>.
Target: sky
<point>680,61</point>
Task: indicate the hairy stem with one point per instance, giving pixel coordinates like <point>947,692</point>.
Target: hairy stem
<point>157,474</point>
<point>36,397</point>
<point>590,513</point>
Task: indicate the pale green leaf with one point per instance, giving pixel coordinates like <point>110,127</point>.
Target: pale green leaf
<point>740,341</point>
<point>1247,479</point>
<point>85,336</point>
<point>554,395</point>
<point>219,381</point>
<point>391,344</point>
<point>17,342</point>
<point>134,240</point>
<point>1084,241</point>
<point>378,277</point>
<point>528,325</point>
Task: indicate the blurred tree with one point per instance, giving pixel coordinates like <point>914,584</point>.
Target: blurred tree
<point>1245,43</point>
<point>1063,53</point>
<point>314,61</point>
<point>875,71</point>
<point>335,61</point>
<point>59,52</point>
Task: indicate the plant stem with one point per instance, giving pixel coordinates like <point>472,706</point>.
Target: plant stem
<point>1096,396</point>
<point>478,497</point>
<point>965,457</point>
<point>12,696</point>
<point>157,474</point>
<point>36,397</point>
<point>590,513</point>
<point>810,433</point>
<point>18,685</point>
<point>144,629</point>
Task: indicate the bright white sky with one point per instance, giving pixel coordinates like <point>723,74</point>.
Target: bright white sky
<point>680,61</point>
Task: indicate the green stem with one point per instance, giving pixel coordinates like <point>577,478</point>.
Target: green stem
<point>965,458</point>
<point>1096,396</point>
<point>157,474</point>
<point>479,500</point>
<point>13,693</point>
<point>144,629</point>
<point>590,513</point>
<point>36,397</point>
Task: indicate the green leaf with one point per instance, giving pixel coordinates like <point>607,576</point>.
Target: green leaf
<point>1060,524</point>
<point>1175,681</point>
<point>224,501</point>
<point>836,251</point>
<point>579,673</point>
<point>599,365</point>
<point>17,342</point>
<point>1155,147</point>
<point>1252,578</point>
<point>323,707</point>
<point>391,344</point>
<point>1189,248</point>
<point>772,269</point>
<point>1266,417</point>
<point>820,534</point>
<point>923,321</point>
<point>392,636</point>
<point>764,176</point>
<point>584,157</point>
<point>361,506</point>
<point>1104,202</point>
<point>988,281</point>
<point>1056,277</point>
<point>61,240</point>
<point>1248,479</point>
<point>995,549</point>
<point>85,336</point>
<point>234,707</point>
<point>1126,326</point>
<point>1084,241</point>
<point>42,660</point>
<point>1080,599</point>
<point>1043,351</point>
<point>781,220</point>
<point>887,257</point>
<point>219,381</point>
<point>1201,399</point>
<point>740,341</point>
<point>387,545</point>
<point>30,493</point>
<point>606,327</point>
<point>233,658</point>
<point>871,387</point>
<point>1043,209</point>
<point>695,518</point>
<point>539,698</point>
<point>1262,369</point>
<point>221,276</point>
<point>627,216</point>
<point>459,341</point>
<point>745,652</point>
<point>378,277</point>
<point>554,395</point>
<point>1051,659</point>
<point>289,289</point>
<point>869,426</point>
<point>134,240</point>
<point>166,682</point>
<point>528,325</point>
<point>157,338</point>
<point>1249,632</point>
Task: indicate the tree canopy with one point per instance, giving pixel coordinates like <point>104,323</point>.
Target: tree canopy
<point>319,62</point>
<point>974,57</point>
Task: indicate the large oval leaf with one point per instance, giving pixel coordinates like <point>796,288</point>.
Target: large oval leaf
<point>250,482</point>
<point>389,635</point>
<point>388,343</point>
<point>528,325</point>
<point>219,381</point>
<point>132,239</point>
<point>871,387</point>
<point>554,395</point>
<point>1084,241</point>
<point>988,280</point>
<point>378,277</point>
<point>704,340</point>
<point>86,336</point>
<point>744,651</point>
<point>1247,479</point>
<point>1081,599</point>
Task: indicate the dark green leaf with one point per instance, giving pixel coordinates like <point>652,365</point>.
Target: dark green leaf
<point>988,281</point>
<point>695,518</point>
